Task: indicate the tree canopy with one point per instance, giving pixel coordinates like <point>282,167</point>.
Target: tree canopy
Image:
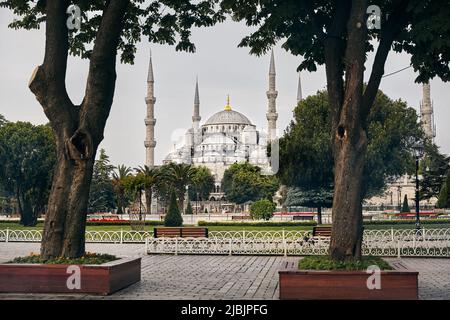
<point>433,168</point>
<point>27,159</point>
<point>101,195</point>
<point>306,159</point>
<point>243,182</point>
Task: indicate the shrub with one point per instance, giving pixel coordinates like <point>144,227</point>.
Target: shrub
<point>88,258</point>
<point>173,217</point>
<point>325,263</point>
<point>262,209</point>
<point>257,224</point>
<point>405,206</point>
<point>189,208</point>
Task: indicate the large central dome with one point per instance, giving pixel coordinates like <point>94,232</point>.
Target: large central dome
<point>228,117</point>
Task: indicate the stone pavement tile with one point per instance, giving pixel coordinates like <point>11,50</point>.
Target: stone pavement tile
<point>214,276</point>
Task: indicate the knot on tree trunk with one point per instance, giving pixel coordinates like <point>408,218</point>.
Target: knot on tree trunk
<point>79,146</point>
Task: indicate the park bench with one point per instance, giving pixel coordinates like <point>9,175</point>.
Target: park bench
<point>182,232</point>
<point>322,231</point>
<point>240,217</point>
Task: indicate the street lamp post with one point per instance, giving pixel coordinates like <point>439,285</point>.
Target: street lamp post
<point>418,150</point>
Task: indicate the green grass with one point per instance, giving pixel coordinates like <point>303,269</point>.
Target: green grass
<point>40,226</point>
<point>88,258</point>
<point>325,263</point>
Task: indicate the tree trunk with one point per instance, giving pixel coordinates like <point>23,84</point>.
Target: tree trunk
<point>349,137</point>
<point>148,200</point>
<point>65,220</point>
<point>347,214</point>
<point>78,129</point>
<point>319,215</point>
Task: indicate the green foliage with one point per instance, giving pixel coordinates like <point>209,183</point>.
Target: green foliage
<point>262,209</point>
<point>175,177</point>
<point>444,195</point>
<point>189,208</point>
<point>306,159</point>
<point>257,224</point>
<point>243,182</point>
<point>405,206</point>
<point>118,180</point>
<point>202,184</point>
<point>88,258</point>
<point>304,26</point>
<point>163,22</point>
<point>27,159</point>
<point>406,221</point>
<point>3,121</point>
<point>326,263</point>
<point>173,217</point>
<point>313,198</point>
<point>433,168</point>
<point>101,194</point>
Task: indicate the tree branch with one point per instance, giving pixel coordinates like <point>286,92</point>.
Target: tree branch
<point>334,50</point>
<point>100,86</point>
<point>48,80</point>
<point>389,31</point>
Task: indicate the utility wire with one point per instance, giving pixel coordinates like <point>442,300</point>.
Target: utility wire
<point>390,74</point>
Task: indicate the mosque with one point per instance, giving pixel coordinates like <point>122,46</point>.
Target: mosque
<point>227,137</point>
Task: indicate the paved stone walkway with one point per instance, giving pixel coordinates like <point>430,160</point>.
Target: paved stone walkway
<point>216,277</point>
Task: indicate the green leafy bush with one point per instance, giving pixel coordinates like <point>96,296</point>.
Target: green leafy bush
<point>189,208</point>
<point>88,258</point>
<point>262,209</point>
<point>325,263</point>
<point>257,224</point>
<point>406,221</point>
<point>405,206</point>
<point>173,217</point>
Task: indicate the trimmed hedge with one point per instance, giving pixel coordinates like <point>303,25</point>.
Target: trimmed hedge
<point>406,221</point>
<point>258,224</point>
<point>100,223</point>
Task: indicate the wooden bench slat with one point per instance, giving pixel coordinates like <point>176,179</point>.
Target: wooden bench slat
<point>192,232</point>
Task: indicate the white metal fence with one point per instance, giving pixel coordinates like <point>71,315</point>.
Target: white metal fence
<point>384,242</point>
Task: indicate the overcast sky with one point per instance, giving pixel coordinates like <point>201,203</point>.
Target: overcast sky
<point>222,69</point>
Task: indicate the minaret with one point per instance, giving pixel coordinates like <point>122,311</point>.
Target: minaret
<point>299,89</point>
<point>196,116</point>
<point>150,120</point>
<point>272,114</point>
<point>426,113</point>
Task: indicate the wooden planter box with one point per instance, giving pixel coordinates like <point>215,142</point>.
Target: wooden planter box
<point>102,279</point>
<point>398,284</point>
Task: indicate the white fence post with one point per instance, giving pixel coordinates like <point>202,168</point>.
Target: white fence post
<point>284,244</point>
<point>392,234</point>
<point>121,235</point>
<point>176,245</point>
<point>7,235</point>
<point>398,248</point>
<point>231,246</point>
<point>146,246</point>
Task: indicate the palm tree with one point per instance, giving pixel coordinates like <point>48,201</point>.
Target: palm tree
<point>151,180</point>
<point>180,175</point>
<point>118,179</point>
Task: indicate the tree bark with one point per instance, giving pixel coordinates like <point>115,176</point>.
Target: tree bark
<point>349,145</point>
<point>148,200</point>
<point>319,215</point>
<point>78,130</point>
